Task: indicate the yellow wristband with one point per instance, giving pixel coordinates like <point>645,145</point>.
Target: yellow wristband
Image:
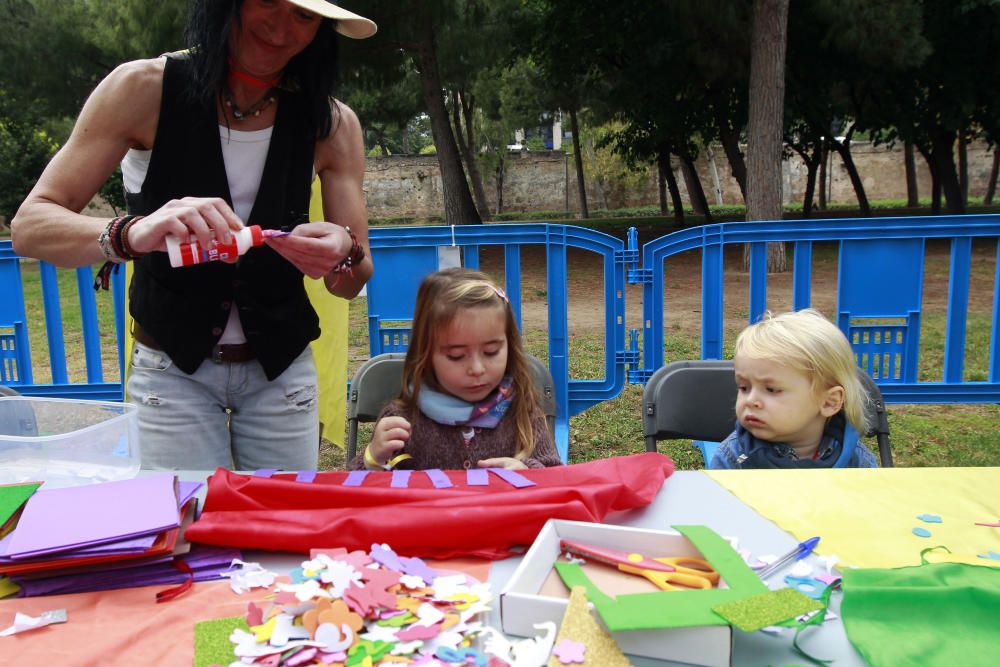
<point>392,463</point>
<point>370,460</point>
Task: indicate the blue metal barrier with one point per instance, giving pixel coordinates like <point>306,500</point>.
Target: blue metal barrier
<point>17,370</point>
<point>881,262</point>
<point>879,307</point>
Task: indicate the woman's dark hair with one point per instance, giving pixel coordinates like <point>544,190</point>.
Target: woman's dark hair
<point>312,73</point>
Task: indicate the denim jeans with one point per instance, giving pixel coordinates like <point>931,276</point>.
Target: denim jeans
<point>224,415</point>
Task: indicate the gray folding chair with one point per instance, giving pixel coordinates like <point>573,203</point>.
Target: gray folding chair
<point>696,399</point>
<point>377,382</point>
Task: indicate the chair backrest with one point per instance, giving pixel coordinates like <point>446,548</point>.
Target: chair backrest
<point>696,399</point>
<point>378,380</point>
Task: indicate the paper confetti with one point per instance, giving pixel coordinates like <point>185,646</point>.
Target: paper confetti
<point>248,576</point>
<point>24,622</point>
<point>929,518</point>
<point>921,532</point>
<point>353,609</point>
<point>757,612</point>
<point>989,555</point>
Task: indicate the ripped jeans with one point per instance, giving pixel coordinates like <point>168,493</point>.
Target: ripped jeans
<point>224,415</point>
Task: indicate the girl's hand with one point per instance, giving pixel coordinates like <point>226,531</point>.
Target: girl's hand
<point>314,248</point>
<point>390,436</point>
<point>508,462</point>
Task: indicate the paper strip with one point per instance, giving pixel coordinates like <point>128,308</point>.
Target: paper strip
<point>517,480</point>
<point>477,477</point>
<point>438,478</point>
<point>355,478</point>
<point>400,479</point>
<point>265,472</point>
<point>306,476</point>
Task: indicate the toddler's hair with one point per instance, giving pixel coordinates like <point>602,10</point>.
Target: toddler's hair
<point>808,342</point>
<point>442,297</point>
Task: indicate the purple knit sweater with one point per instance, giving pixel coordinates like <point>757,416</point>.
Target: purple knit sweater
<point>434,445</point>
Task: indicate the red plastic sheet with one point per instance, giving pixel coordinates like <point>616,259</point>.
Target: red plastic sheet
<point>279,513</point>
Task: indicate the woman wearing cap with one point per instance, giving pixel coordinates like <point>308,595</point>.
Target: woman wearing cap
<point>227,134</point>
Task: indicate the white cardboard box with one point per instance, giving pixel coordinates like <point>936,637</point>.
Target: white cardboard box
<point>535,593</point>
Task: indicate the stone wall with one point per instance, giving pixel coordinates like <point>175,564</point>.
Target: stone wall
<point>404,186</point>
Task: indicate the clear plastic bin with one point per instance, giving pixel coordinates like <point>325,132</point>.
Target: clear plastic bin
<point>66,442</point>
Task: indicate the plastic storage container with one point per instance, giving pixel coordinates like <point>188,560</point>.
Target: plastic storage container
<point>66,442</point>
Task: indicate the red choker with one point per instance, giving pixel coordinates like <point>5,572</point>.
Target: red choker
<point>250,79</point>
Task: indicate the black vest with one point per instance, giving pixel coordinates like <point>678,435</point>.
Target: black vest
<point>185,309</point>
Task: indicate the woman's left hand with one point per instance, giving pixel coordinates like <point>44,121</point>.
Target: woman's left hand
<point>507,462</point>
<point>314,248</point>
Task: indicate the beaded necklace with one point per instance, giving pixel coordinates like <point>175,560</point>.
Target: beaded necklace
<point>254,109</point>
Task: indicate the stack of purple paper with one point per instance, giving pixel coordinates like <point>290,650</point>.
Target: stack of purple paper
<point>111,535</point>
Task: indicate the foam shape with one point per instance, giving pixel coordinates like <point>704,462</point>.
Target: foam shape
<point>578,625</point>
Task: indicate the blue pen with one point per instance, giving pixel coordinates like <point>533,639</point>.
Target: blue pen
<point>798,553</point>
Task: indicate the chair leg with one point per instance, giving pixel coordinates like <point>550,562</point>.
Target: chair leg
<point>884,451</point>
<point>352,441</point>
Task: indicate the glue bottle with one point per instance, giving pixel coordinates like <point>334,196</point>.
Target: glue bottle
<point>191,252</point>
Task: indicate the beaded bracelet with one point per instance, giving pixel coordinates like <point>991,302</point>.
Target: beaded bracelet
<point>114,245</point>
<point>355,256</point>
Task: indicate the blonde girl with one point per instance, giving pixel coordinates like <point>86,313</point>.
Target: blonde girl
<point>467,398</point>
<point>800,403</point>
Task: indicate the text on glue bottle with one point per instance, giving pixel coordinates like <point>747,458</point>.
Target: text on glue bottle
<point>191,252</point>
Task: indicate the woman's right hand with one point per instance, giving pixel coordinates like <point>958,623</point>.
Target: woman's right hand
<point>205,218</point>
<point>390,436</point>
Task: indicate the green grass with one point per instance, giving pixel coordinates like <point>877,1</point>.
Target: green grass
<point>72,327</point>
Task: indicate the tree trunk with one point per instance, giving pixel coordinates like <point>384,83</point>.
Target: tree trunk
<point>581,184</point>
<point>765,128</point>
<point>696,194</point>
<point>661,181</point>
<point>824,159</point>
<point>991,184</point>
<point>812,163</point>
<point>667,173</point>
<point>912,193</point>
<point>501,168</point>
<point>467,144</point>
<point>730,139</point>
<point>942,154</point>
<point>459,208</point>
<point>404,137</point>
<point>935,181</point>
<point>963,168</point>
<point>844,150</point>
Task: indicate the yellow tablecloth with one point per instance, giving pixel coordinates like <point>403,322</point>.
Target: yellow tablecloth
<point>866,516</point>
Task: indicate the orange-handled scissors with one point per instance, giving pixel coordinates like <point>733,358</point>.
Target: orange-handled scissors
<point>688,573</point>
<point>671,573</point>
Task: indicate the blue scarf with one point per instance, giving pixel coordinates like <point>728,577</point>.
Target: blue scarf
<point>452,411</point>
<point>836,448</point>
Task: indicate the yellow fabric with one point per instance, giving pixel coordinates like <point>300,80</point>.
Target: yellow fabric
<point>329,350</point>
<point>866,515</point>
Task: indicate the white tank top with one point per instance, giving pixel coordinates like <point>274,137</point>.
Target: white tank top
<point>243,154</point>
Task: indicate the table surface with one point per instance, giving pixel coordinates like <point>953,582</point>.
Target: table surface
<point>687,497</point>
